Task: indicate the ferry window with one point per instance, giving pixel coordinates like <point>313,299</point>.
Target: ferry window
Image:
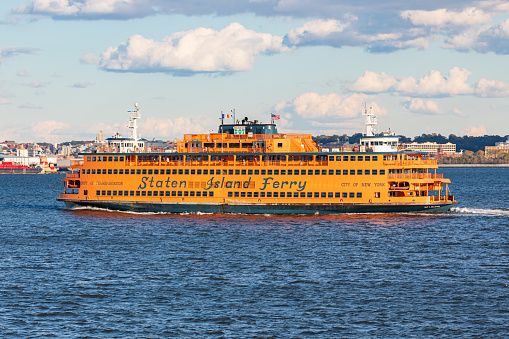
<point>377,194</point>
<point>144,171</point>
<point>191,193</point>
<point>99,158</point>
<point>230,172</point>
<point>345,195</point>
<point>143,193</point>
<point>137,193</point>
<point>338,172</point>
<point>115,158</point>
<point>181,171</point>
<point>282,194</point>
<point>255,194</point>
<point>367,158</point>
<point>225,172</point>
<point>351,195</point>
<point>331,158</point>
<point>279,145</point>
<point>338,157</point>
<point>186,171</point>
<point>121,158</point>
<point>250,172</point>
<point>237,172</point>
<point>193,171</point>
<point>290,172</point>
<point>269,194</point>
<point>324,172</point>
<point>120,171</point>
<point>156,193</point>
<point>242,194</point>
<point>173,193</point>
<point>283,158</point>
<point>317,195</point>
<point>249,194</point>
<point>138,171</point>
<point>360,158</point>
<point>198,193</point>
<point>345,157</point>
<point>205,193</point>
<point>88,159</point>
<point>206,171</point>
<point>269,172</point>
<point>243,172</point>
<point>264,172</point>
<point>156,171</point>
<point>108,193</point>
<point>366,172</point>
<point>198,171</point>
<point>88,171</point>
<point>345,172</point>
<point>352,158</point>
<point>310,158</point>
<point>405,157</point>
<point>275,194</point>
<point>359,172</point>
<point>105,158</point>
<point>149,193</point>
<point>359,194</point>
<point>323,195</point>
<point>329,195</point>
<point>179,193</point>
<point>97,192</point>
<point>103,192</point>
<point>385,157</point>
<point>382,172</point>
<point>310,194</point>
<point>352,172</point>
<point>256,172</point>
<point>167,193</point>
<point>310,172</point>
<point>211,194</point>
<point>115,171</point>
<point>104,171</point>
<point>283,172</point>
<point>337,195</point>
<point>276,172</point>
<point>132,171</point>
<point>173,171</point>
<point>262,194</point>
<point>374,172</point>
<point>93,158</point>
<point>317,172</point>
<point>205,158</point>
<point>375,157</point>
<point>83,171</point>
<point>186,193</point>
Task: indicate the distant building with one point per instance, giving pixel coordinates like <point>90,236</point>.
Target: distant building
<point>500,147</point>
<point>100,137</point>
<point>431,147</point>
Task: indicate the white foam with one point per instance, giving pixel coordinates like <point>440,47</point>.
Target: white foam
<point>491,212</point>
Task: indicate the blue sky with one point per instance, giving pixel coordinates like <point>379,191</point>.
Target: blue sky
<point>69,68</point>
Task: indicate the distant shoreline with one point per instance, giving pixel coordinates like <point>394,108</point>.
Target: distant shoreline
<point>473,165</point>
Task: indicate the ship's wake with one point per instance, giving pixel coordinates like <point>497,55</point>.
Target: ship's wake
<point>504,212</point>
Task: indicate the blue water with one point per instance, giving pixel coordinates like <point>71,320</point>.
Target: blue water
<point>97,274</point>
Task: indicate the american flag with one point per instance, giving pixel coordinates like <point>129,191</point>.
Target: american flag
<point>276,117</point>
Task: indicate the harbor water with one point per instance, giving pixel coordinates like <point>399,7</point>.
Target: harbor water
<point>98,274</point>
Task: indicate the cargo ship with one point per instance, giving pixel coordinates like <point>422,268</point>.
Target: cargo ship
<point>8,167</point>
<point>249,167</point>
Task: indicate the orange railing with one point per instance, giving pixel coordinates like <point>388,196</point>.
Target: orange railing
<point>442,198</point>
<point>416,176</point>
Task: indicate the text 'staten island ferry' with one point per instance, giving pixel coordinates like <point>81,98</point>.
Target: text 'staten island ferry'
<point>248,167</point>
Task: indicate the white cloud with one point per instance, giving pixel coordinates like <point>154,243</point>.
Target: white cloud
<point>81,84</point>
<point>22,73</point>
<point>419,106</point>
<point>30,106</point>
<point>36,84</point>
<point>49,130</point>
<point>314,30</point>
<point>169,129</point>
<point>491,88</point>
<point>89,59</point>
<point>9,52</point>
<point>91,9</point>
<point>470,16</point>
<point>315,106</point>
<point>475,131</point>
<point>231,49</point>
<point>431,85</point>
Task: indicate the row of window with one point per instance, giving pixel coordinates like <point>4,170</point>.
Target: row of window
<point>295,194</point>
<point>154,158</point>
<point>235,172</point>
<point>156,193</point>
<point>230,194</point>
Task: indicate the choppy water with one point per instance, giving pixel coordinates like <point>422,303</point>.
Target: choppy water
<point>98,274</point>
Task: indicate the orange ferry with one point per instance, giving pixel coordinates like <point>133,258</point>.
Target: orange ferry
<point>248,167</point>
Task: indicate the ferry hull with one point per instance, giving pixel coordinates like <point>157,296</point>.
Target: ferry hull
<point>259,208</point>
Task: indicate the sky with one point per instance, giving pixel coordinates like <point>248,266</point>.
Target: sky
<point>70,68</point>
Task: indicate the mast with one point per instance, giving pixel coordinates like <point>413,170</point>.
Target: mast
<point>370,121</point>
<point>133,124</point>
